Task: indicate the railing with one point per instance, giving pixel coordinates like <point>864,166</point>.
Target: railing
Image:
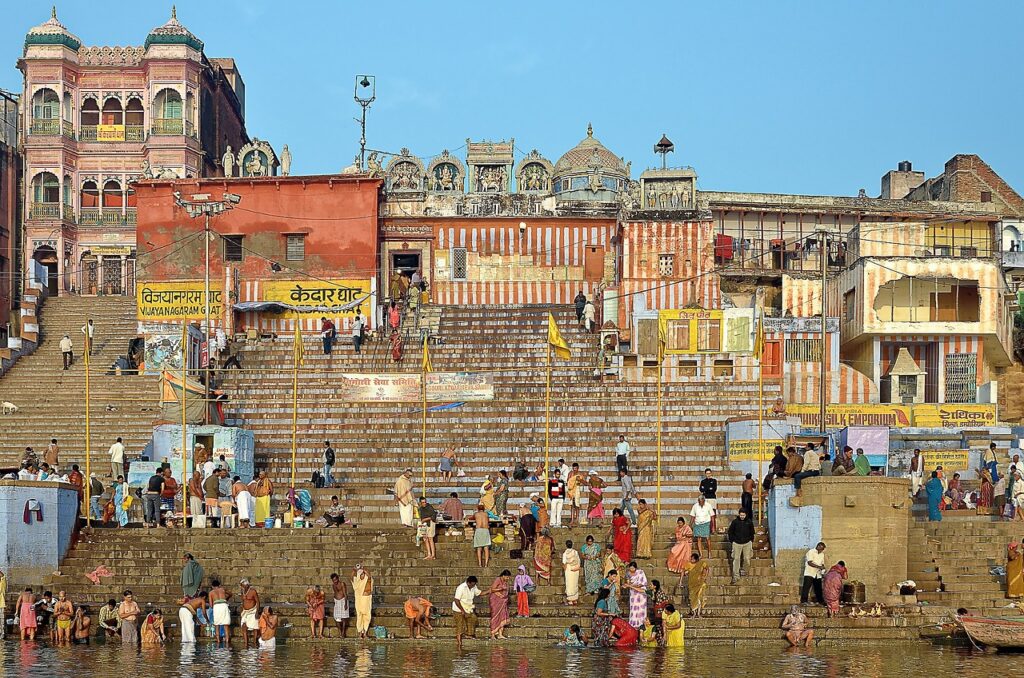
<point>69,213</point>
<point>131,133</point>
<point>52,127</point>
<point>92,216</point>
<point>135,133</point>
<point>172,127</point>
<point>754,254</point>
<point>45,210</point>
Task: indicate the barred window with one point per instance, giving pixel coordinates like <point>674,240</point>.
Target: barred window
<point>666,265</point>
<point>233,248</point>
<point>458,263</point>
<point>709,334</point>
<point>803,350</point>
<point>296,250</point>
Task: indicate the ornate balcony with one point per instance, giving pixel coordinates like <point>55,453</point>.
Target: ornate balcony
<point>90,216</point>
<point>111,216</point>
<point>52,127</point>
<point>45,210</point>
<point>112,133</point>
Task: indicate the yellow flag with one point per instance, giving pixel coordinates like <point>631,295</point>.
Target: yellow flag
<point>662,336</point>
<point>427,367</point>
<point>556,341</point>
<point>759,341</point>
<point>297,349</point>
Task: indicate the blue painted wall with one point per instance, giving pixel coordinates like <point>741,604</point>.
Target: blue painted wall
<point>791,528</point>
<point>37,547</point>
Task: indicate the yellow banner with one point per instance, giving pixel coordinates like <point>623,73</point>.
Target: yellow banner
<point>949,460</point>
<point>896,416</point>
<point>176,301</point>
<point>841,416</point>
<point>967,416</point>
<point>110,250</point>
<point>330,298</point>
<point>746,450</point>
<point>110,133</point>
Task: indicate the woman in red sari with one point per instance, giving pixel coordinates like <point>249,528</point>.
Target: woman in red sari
<point>543,551</point>
<point>396,346</point>
<point>622,536</point>
<point>987,494</point>
<point>832,587</point>
<point>498,600</point>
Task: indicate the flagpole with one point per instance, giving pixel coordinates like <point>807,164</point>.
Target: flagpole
<point>88,440</point>
<point>297,350</point>
<point>658,498</point>
<point>184,417</point>
<point>760,418</point>
<point>423,392</point>
<point>547,413</point>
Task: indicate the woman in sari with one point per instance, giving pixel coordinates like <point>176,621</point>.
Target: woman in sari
<point>263,492</point>
<point>543,519</point>
<point>602,622</point>
<point>986,496</point>
<point>832,587</point>
<point>649,633</point>
<point>955,493</point>
<point>621,534</point>
<point>542,555</point>
<point>636,584</point>
<point>613,585</point>
<point>595,498</point>
<point>645,520</point>
<point>697,584</point>
<point>396,346</point>
<point>522,586</point>
<point>498,600</point>
<point>679,556</point>
<point>153,629</point>
<point>934,491</point>
<point>658,599</point>
<point>527,528</point>
<point>315,609</point>
<point>571,567</point>
<point>501,486</point>
<point>1014,571</point>
<point>122,502</point>
<point>592,575</point>
<point>672,626</point>
<point>487,494</point>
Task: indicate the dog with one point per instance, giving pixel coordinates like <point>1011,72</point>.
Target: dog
<point>9,408</point>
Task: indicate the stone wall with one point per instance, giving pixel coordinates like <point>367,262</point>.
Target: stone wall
<point>29,551</point>
<point>863,521</point>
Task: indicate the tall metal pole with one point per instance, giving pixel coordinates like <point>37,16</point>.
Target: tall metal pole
<point>760,418</point>
<point>209,344</point>
<point>547,414</point>
<point>423,392</point>
<point>362,138</point>
<point>88,439</point>
<point>823,246</point>
<point>184,420</point>
<point>657,503</point>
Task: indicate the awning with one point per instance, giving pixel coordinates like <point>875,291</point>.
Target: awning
<point>281,307</point>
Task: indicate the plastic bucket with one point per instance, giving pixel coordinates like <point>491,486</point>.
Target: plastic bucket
<point>268,523</point>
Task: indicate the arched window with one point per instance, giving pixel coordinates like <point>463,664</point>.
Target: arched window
<point>190,107</point>
<point>112,196</point>
<point>45,105</point>
<point>46,188</point>
<point>68,113</point>
<point>113,114</point>
<point>90,113</point>
<point>133,113</point>
<point>68,191</point>
<point>130,200</point>
<point>168,104</point>
<point>90,195</point>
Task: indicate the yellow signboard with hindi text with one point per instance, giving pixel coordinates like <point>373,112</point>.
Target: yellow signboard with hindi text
<point>176,301</point>
<point>950,460</point>
<point>747,450</point>
<point>327,297</point>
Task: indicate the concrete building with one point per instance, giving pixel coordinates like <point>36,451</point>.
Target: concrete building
<point>96,119</point>
<point>10,224</point>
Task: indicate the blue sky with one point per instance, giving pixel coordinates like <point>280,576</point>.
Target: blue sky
<point>794,97</point>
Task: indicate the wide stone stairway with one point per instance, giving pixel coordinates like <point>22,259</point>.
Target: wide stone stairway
<point>282,563</point>
<point>51,401</point>
<point>375,441</point>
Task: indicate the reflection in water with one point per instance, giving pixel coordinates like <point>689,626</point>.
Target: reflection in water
<point>439,658</point>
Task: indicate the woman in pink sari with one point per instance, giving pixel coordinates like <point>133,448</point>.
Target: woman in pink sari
<point>832,586</point>
<point>679,556</point>
<point>498,600</point>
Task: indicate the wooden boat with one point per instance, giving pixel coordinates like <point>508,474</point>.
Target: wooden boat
<point>1002,633</point>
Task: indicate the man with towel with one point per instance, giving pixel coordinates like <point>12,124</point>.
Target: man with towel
<point>221,612</point>
<point>249,620</point>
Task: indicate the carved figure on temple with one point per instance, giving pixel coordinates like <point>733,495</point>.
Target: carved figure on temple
<point>354,168</point>
<point>535,178</point>
<point>228,160</point>
<point>444,178</point>
<point>373,166</point>
<point>405,177</point>
<point>254,165</point>
<point>286,161</point>
<point>491,179</point>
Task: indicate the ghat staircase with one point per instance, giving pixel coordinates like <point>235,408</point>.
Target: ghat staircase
<point>375,441</point>
<point>51,401</point>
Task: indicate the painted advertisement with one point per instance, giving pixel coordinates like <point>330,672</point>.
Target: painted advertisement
<point>330,298</point>
<point>176,301</point>
<point>448,387</point>
<point>967,416</point>
<point>163,352</point>
<point>379,388</point>
<point>950,460</point>
<point>896,416</point>
<point>747,450</point>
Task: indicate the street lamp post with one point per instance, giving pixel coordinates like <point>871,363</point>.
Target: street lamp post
<point>365,94</point>
<point>200,204</point>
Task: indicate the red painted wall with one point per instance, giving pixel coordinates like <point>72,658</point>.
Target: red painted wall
<point>338,216</point>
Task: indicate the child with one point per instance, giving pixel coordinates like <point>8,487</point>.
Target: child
<point>522,581</point>
<point>573,637</point>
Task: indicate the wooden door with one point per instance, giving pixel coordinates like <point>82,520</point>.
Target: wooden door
<point>593,264</point>
<point>772,361</point>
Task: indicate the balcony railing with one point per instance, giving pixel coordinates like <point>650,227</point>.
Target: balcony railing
<point>112,216</point>
<point>109,133</point>
<point>45,210</point>
<point>172,127</point>
<point>90,216</point>
<point>763,255</point>
<point>52,127</point>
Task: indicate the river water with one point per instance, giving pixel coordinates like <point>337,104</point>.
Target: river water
<point>439,659</point>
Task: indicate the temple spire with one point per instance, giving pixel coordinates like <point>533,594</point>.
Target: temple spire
<point>53,12</point>
<point>590,130</point>
<point>174,12</point>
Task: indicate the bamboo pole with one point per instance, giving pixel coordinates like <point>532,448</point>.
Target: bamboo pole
<point>295,403</point>
<point>423,395</point>
<point>184,421</point>
<point>547,414</point>
<point>88,438</point>
<point>658,496</point>
<point>760,420</point>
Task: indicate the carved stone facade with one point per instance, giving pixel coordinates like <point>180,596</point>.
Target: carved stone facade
<point>446,174</point>
<point>405,173</point>
<point>257,159</point>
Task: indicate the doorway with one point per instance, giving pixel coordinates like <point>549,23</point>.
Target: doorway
<point>206,442</point>
<point>403,265</point>
<point>47,257</point>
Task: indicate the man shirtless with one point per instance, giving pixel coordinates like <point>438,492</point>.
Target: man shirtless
<point>221,612</point>
<point>341,613</point>
<point>482,536</point>
<point>268,629</point>
<point>82,625</point>
<point>64,613</point>
<point>250,609</point>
